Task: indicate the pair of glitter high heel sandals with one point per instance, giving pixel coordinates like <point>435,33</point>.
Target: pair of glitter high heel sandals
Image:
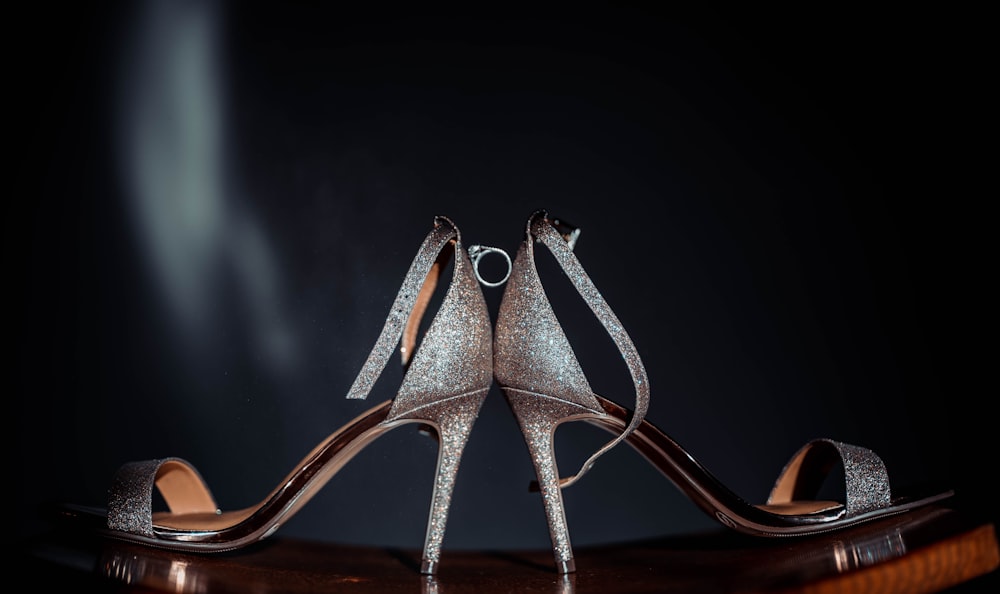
<point>448,375</point>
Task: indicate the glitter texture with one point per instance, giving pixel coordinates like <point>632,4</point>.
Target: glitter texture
<point>130,499</point>
<point>866,480</point>
<point>545,386</point>
<point>540,375</point>
<point>450,374</point>
<point>446,381</point>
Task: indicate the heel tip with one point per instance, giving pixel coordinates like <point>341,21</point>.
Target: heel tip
<point>428,567</point>
<point>566,566</point>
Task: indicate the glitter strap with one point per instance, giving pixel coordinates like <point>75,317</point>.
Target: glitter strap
<point>865,476</point>
<point>130,502</point>
<point>560,239</point>
<point>409,307</point>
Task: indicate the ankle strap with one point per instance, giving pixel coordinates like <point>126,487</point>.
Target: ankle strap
<point>560,237</point>
<point>409,306</point>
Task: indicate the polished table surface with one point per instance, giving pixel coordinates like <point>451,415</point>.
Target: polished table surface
<point>935,549</point>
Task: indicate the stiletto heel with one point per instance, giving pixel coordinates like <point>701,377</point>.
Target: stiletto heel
<point>538,424</point>
<point>444,385</point>
<point>544,385</point>
<point>454,419</point>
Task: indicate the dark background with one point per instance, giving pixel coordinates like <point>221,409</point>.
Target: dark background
<point>214,206</point>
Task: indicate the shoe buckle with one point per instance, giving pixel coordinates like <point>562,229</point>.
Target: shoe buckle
<point>568,231</point>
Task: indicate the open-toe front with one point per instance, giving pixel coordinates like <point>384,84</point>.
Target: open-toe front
<point>545,386</point>
<point>444,385</point>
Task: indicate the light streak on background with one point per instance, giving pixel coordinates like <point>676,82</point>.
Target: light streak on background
<point>199,237</point>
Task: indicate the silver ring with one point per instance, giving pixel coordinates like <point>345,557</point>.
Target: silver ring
<point>476,253</point>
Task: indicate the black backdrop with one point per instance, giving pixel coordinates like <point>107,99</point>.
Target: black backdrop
<point>214,206</point>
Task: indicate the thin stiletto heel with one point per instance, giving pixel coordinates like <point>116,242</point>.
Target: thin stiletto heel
<point>538,424</point>
<point>545,386</point>
<point>443,388</point>
<point>453,420</point>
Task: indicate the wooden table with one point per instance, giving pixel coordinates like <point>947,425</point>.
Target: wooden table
<point>930,550</point>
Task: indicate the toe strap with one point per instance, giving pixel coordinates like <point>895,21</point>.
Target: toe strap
<point>865,476</point>
<point>130,501</point>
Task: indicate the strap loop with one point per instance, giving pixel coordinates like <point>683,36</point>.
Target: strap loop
<point>410,299</point>
<point>560,238</point>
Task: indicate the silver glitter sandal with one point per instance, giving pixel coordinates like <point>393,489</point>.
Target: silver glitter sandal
<point>444,386</point>
<point>545,386</point>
